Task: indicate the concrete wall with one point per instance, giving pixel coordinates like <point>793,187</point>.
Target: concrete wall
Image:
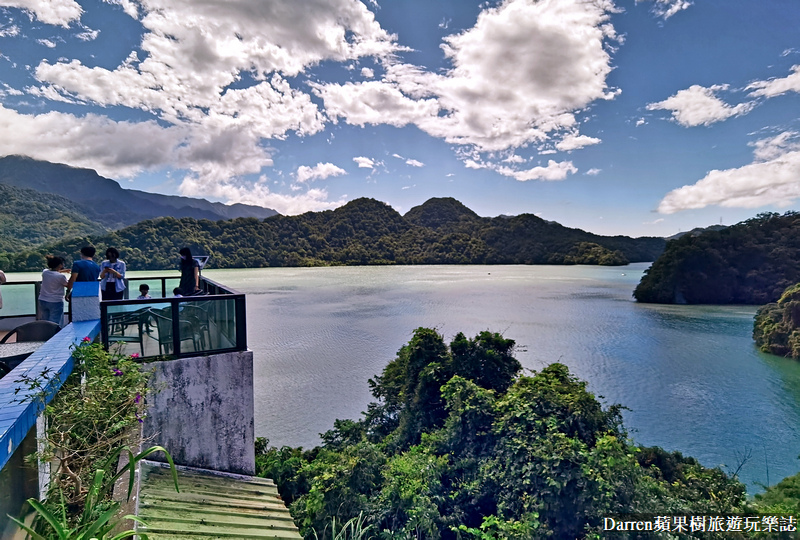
<point>18,482</point>
<point>201,410</point>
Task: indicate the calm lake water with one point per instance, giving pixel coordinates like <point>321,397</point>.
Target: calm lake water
<point>690,375</point>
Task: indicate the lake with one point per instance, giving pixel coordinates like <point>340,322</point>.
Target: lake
<point>690,375</point>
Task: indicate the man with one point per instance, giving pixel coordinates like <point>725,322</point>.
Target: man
<point>85,269</point>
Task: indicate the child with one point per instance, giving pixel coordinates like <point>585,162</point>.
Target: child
<point>144,289</point>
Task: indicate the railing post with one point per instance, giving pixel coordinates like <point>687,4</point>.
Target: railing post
<point>241,323</point>
<point>176,328</point>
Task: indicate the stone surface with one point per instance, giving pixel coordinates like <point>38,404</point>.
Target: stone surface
<point>201,410</point>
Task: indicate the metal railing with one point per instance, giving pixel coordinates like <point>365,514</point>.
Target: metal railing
<point>212,321</point>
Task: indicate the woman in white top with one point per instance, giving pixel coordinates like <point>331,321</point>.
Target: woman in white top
<point>112,276</point>
<point>51,295</point>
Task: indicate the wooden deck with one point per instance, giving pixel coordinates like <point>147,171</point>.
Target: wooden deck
<point>211,506</point>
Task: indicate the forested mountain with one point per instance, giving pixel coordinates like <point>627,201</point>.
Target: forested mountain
<point>104,201</point>
<point>748,263</point>
<point>29,218</point>
<point>364,231</point>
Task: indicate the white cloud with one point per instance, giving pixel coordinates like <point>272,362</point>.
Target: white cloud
<point>698,105</point>
<point>414,163</point>
<point>113,149</point>
<point>9,31</point>
<point>573,141</point>
<point>550,56</point>
<point>364,162</point>
<point>640,122</point>
<point>320,171</point>
<point>88,35</point>
<point>667,8</point>
<point>554,171</point>
<point>772,179</point>
<point>49,43</point>
<point>367,73</point>
<point>56,12</point>
<point>593,172</point>
<point>313,200</point>
<point>776,87</point>
<point>654,222</point>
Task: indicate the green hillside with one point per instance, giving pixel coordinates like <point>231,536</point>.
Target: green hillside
<point>751,262</point>
<point>364,231</point>
<point>30,218</point>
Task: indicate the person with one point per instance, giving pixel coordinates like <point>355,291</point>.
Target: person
<point>176,292</point>
<point>84,269</point>
<point>112,276</point>
<point>2,280</point>
<point>144,292</point>
<point>51,295</point>
<point>190,273</point>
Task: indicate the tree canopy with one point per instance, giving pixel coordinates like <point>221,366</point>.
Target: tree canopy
<point>459,444</point>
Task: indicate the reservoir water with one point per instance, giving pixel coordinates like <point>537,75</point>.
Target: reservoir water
<point>690,376</point>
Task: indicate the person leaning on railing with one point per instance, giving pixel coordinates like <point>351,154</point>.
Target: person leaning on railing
<point>51,295</point>
<point>112,276</point>
<point>190,273</point>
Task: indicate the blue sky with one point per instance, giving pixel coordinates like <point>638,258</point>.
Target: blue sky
<point>629,117</point>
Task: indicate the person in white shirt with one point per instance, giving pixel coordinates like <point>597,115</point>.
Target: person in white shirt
<point>51,295</point>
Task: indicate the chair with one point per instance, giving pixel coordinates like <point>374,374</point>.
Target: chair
<point>33,331</point>
<point>118,323</point>
<point>198,316</point>
<point>163,320</point>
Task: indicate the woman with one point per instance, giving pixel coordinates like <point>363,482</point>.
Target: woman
<point>51,295</point>
<point>112,276</point>
<point>190,273</point>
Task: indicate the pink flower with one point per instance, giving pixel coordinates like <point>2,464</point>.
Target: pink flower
<point>135,355</point>
<point>87,339</point>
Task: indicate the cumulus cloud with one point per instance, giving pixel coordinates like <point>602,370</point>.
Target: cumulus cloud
<point>772,179</point>
<point>776,87</point>
<point>320,171</point>
<point>414,163</point>
<point>573,141</point>
<point>312,200</point>
<point>551,57</point>
<point>698,105</point>
<point>56,12</point>
<point>367,73</point>
<point>552,172</point>
<point>364,162</point>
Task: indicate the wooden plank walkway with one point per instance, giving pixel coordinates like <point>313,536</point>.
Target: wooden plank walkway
<point>211,506</point>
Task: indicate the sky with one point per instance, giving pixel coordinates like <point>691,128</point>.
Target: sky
<point>635,117</point>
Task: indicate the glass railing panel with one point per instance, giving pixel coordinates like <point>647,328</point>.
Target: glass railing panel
<point>140,329</point>
<point>19,299</point>
<point>207,325</point>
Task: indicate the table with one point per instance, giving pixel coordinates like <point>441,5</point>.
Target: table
<point>12,354</point>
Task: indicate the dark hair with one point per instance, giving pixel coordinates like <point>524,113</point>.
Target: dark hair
<point>144,287</point>
<point>187,254</point>
<point>112,251</point>
<point>88,251</point>
<point>54,262</point>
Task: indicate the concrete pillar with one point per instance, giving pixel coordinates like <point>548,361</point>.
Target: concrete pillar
<point>201,410</point>
<point>85,301</point>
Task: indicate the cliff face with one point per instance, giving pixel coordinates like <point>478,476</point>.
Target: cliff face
<point>777,325</point>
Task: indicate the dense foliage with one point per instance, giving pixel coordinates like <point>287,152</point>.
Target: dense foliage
<point>364,231</point>
<point>459,445</point>
<point>777,325</point>
<point>29,218</point>
<point>748,263</point>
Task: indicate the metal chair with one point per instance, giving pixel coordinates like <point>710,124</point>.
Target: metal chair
<point>163,320</point>
<point>33,331</point>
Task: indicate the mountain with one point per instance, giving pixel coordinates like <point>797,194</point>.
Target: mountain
<point>697,230</point>
<point>363,231</point>
<point>751,262</point>
<point>29,218</point>
<point>104,201</point>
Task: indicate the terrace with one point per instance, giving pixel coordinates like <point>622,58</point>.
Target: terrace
<point>195,348</point>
